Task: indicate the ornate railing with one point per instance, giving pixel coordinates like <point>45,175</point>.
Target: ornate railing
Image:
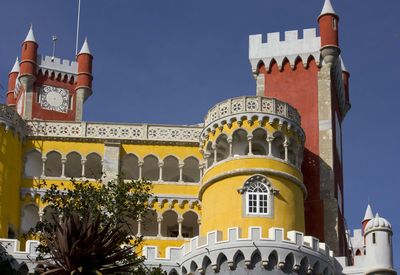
<point>109,131</point>
<point>251,104</point>
<point>10,118</point>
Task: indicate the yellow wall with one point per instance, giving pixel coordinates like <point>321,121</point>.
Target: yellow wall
<point>162,151</point>
<point>10,176</point>
<point>224,207</point>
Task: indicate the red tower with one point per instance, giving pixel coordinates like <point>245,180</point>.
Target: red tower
<point>308,74</point>
<point>49,88</point>
<point>12,79</point>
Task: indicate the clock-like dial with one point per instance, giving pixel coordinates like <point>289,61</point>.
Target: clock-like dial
<point>54,99</point>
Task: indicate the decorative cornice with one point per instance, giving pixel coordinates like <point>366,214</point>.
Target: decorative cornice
<point>112,131</point>
<point>249,107</point>
<point>11,120</point>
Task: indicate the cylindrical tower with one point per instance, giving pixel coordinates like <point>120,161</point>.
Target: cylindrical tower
<point>12,78</point>
<point>252,149</point>
<point>378,246</point>
<point>328,22</point>
<point>28,61</point>
<point>84,82</point>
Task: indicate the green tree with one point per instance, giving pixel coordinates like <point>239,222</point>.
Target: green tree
<point>90,231</point>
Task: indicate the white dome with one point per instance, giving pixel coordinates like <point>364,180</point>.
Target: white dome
<point>378,222</point>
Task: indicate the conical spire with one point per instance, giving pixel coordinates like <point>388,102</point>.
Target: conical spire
<point>343,66</point>
<point>15,68</point>
<point>369,215</point>
<point>30,37</point>
<point>328,9</point>
<point>85,48</point>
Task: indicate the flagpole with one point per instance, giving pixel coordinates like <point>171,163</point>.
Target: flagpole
<point>77,27</point>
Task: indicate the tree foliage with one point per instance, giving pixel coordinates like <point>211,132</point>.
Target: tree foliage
<point>90,231</point>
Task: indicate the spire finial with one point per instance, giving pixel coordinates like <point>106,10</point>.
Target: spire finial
<point>85,47</point>
<point>15,68</point>
<point>30,37</point>
<point>369,215</point>
<point>328,8</point>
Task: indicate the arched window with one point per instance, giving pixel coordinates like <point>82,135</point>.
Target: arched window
<point>53,166</point>
<point>33,164</point>
<point>258,196</point>
<point>170,169</point>
<point>73,165</point>
<point>190,225</point>
<point>150,168</point>
<point>169,225</point>
<point>278,150</point>
<point>30,217</point>
<point>240,144</point>
<point>93,166</point>
<point>222,147</point>
<point>292,151</point>
<point>209,154</point>
<point>149,223</point>
<point>130,167</point>
<point>259,142</point>
<point>191,170</point>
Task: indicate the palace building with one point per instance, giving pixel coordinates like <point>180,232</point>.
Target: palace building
<point>257,187</point>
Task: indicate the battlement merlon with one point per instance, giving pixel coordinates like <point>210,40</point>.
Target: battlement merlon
<point>291,47</point>
<point>57,66</point>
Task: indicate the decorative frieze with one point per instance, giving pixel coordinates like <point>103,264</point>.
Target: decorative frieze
<point>110,131</point>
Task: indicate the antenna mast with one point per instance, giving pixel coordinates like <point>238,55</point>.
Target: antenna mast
<point>54,39</point>
<point>77,27</point>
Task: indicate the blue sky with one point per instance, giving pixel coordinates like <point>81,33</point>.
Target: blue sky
<point>170,61</point>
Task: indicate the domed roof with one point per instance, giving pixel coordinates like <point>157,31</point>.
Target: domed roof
<point>378,223</point>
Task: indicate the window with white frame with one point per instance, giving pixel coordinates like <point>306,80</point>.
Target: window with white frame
<point>258,196</point>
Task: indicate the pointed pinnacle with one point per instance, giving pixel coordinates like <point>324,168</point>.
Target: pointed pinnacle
<point>15,68</point>
<point>30,37</point>
<point>85,48</point>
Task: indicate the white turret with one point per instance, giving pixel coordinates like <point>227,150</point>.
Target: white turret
<point>378,242</point>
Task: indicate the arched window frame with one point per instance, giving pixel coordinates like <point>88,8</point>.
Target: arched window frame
<point>258,189</point>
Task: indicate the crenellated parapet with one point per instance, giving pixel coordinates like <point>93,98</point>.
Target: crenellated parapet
<point>12,247</point>
<point>58,67</point>
<point>290,48</point>
<point>205,255</point>
<point>12,121</point>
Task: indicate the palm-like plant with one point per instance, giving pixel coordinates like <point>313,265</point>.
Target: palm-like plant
<point>84,246</point>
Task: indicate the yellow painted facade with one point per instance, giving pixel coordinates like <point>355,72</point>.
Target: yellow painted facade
<point>10,180</point>
<point>193,193</point>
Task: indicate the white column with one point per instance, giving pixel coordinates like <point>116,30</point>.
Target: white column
<point>159,221</point>
<point>286,145</point>
<point>181,164</point>
<point>270,139</point>
<point>230,146</point>
<point>140,164</point>
<point>214,147</point>
<point>180,220</point>
<point>160,165</point>
<point>83,162</point>
<point>41,213</point>
<point>43,166</point>
<point>63,161</point>
<point>201,168</point>
<point>139,226</point>
<point>250,138</point>
<point>206,156</point>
